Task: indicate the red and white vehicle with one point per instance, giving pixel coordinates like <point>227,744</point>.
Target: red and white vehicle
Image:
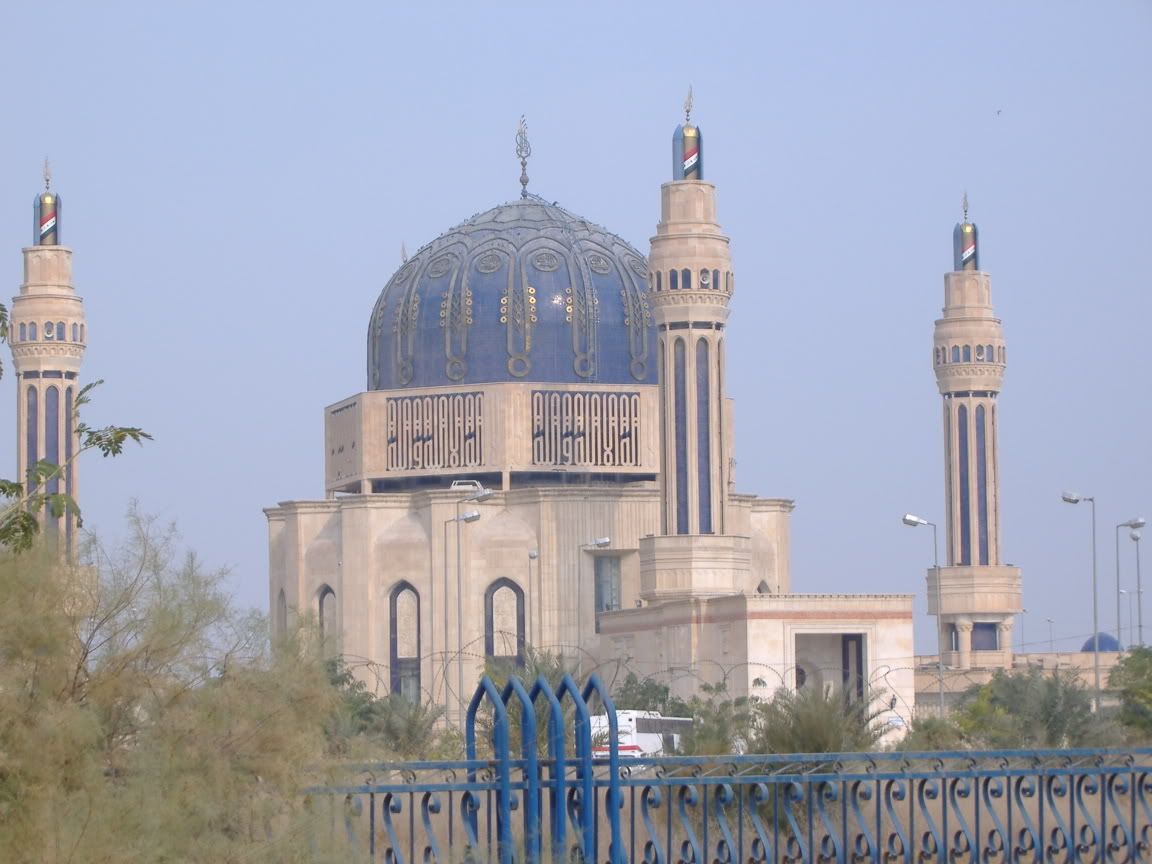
<point>640,733</point>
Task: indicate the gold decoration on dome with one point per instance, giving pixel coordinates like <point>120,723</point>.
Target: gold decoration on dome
<point>964,204</point>
<point>688,107</point>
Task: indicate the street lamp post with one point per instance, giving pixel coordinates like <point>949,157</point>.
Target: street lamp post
<point>1073,498</point>
<point>534,610</point>
<point>479,495</point>
<point>1135,535</point>
<point>1131,615</point>
<point>598,543</point>
<point>1051,637</point>
<point>1134,524</point>
<point>1023,612</point>
<point>469,516</point>
<point>913,522</point>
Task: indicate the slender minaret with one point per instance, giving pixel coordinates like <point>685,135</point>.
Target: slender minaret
<point>47,335</point>
<point>690,282</point>
<point>974,596</point>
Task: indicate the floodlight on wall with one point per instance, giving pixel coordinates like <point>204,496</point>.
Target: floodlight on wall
<point>600,543</point>
<point>468,516</point>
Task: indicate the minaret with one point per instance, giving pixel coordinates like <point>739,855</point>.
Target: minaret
<point>47,335</point>
<point>690,286</point>
<point>976,595</point>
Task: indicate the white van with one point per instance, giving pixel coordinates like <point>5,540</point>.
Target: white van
<point>639,733</point>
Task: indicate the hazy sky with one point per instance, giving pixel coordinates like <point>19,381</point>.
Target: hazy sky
<point>238,178</point>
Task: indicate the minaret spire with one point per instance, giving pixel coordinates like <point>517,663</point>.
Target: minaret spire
<point>976,595</point>
<point>47,337</point>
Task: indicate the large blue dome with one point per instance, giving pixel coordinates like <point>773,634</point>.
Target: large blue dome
<point>524,292</point>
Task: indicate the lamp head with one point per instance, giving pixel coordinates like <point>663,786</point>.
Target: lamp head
<point>1135,535</point>
<point>912,520</point>
<point>534,554</point>
<point>470,516</point>
<point>1071,498</point>
<point>482,495</point>
<point>1138,522</point>
<point>601,542</point>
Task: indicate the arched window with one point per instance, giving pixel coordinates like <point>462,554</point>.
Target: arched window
<point>686,279</point>
<point>716,280</point>
<point>988,353</point>
<point>49,330</point>
<point>329,622</point>
<point>281,615</point>
<point>965,511</point>
<point>504,621</point>
<point>967,353</point>
<point>955,353</point>
<point>60,337</point>
<point>52,437</point>
<point>32,430</point>
<point>658,286</point>
<point>81,333</point>
<point>404,642</point>
<point>703,437</point>
<point>23,332</point>
<point>680,430</point>
<point>75,332</point>
<point>673,280</point>
<point>979,352</point>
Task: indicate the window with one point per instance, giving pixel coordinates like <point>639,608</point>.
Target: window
<point>686,279</point>
<point>81,333</point>
<point>23,332</point>
<point>49,330</point>
<point>965,511</point>
<point>329,625</point>
<point>673,280</point>
<point>404,642</point>
<point>703,438</point>
<point>60,337</point>
<point>504,621</point>
<point>281,614</point>
<point>979,352</point>
<point>988,353</point>
<point>680,418</point>
<point>32,431</point>
<point>658,287</point>
<point>52,436</point>
<point>967,353</point>
<point>955,353</point>
<point>985,636</point>
<point>75,332</point>
<point>607,569</point>
<point>716,280</point>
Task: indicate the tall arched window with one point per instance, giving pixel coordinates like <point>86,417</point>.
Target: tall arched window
<point>965,501</point>
<point>329,620</point>
<point>673,280</point>
<point>988,353</point>
<point>680,418</point>
<point>658,286</point>
<point>955,353</point>
<point>716,280</point>
<point>504,621</point>
<point>686,279</point>
<point>981,484</point>
<point>69,435</point>
<point>32,430</point>
<point>967,353</point>
<point>281,615</point>
<point>404,642</point>
<point>49,330</point>
<point>75,332</point>
<point>23,332</point>
<point>703,436</point>
<point>60,331</point>
<point>31,331</point>
<point>52,436</point>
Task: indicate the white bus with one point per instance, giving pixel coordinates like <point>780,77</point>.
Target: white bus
<point>640,733</point>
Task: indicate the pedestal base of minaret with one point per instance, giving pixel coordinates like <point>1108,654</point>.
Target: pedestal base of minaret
<point>975,607</point>
<point>694,565</point>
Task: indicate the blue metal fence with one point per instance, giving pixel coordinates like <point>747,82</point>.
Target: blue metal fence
<point>550,796</point>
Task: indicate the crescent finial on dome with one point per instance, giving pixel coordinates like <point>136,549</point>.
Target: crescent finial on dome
<point>523,151</point>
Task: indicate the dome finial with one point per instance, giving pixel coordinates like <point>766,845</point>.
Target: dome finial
<point>403,253</point>
<point>964,204</point>
<point>688,106</point>
<point>523,151</point>
<point>47,175</point>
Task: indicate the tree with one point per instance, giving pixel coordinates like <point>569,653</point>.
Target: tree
<point>143,718</point>
<point>810,720</point>
<point>720,725</point>
<point>1132,676</point>
<point>648,694</point>
<point>1032,708</point>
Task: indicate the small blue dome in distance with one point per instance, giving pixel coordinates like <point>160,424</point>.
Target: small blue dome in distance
<point>1106,641</point>
<point>524,292</point>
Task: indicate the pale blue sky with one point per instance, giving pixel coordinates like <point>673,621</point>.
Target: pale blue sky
<point>238,179</point>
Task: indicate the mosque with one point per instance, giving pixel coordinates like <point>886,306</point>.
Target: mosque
<point>543,457</point>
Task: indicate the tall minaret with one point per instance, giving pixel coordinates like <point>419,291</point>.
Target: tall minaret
<point>690,285</point>
<point>976,595</point>
<point>47,335</point>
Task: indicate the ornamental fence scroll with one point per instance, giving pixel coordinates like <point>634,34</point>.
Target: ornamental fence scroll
<point>546,791</point>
